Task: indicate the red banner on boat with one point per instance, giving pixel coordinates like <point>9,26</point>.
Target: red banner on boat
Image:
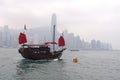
<point>61,41</point>
<point>22,38</point>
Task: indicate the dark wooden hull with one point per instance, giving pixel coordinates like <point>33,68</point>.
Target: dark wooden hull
<point>36,54</point>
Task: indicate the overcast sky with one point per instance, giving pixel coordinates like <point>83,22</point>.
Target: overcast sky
<point>91,19</point>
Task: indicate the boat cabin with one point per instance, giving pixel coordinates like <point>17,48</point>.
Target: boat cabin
<point>36,48</point>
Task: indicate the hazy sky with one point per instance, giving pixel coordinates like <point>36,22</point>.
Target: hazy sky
<point>91,19</point>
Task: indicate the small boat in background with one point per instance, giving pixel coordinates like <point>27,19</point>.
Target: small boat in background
<point>74,49</point>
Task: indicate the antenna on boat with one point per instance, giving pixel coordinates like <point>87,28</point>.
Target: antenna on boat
<point>24,28</point>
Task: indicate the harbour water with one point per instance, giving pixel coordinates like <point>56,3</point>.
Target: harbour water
<point>91,65</point>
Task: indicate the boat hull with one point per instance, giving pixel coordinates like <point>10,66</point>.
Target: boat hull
<point>36,54</point>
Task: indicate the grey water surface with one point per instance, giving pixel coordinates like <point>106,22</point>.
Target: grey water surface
<point>91,65</point>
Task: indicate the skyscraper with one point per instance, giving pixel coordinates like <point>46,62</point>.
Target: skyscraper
<point>53,29</point>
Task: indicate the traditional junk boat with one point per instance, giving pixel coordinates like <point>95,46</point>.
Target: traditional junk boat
<point>41,51</point>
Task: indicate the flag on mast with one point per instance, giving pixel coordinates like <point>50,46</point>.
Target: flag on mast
<point>25,27</point>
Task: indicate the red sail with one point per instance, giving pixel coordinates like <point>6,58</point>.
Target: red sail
<point>22,38</point>
<point>61,41</point>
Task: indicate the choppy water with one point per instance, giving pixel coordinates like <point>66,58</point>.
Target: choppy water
<point>92,65</point>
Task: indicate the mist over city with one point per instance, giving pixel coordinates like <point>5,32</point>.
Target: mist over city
<point>9,38</point>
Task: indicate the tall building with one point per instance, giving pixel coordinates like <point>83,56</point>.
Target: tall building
<point>53,30</point>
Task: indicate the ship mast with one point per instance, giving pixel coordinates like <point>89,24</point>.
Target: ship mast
<point>53,25</point>
<point>53,37</point>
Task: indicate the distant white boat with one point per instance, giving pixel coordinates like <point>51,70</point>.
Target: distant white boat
<point>74,49</point>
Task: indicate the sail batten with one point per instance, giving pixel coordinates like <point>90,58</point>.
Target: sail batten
<point>22,38</point>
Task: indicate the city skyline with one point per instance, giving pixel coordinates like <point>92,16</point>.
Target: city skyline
<point>9,38</point>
